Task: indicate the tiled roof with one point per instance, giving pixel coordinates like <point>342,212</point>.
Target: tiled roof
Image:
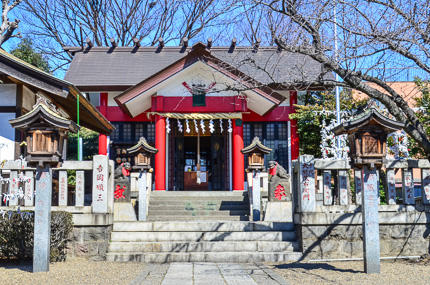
<point>127,66</point>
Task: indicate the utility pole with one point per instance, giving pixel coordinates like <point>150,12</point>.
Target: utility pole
<point>336,56</point>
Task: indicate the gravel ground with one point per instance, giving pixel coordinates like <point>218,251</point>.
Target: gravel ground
<point>351,272</point>
<point>73,271</point>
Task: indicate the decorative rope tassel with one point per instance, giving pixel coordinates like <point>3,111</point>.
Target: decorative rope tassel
<point>187,126</point>
<point>168,125</point>
<point>181,130</point>
<point>230,128</point>
<point>202,126</point>
<point>195,125</point>
<point>211,126</point>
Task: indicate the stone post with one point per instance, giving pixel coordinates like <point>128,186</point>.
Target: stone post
<point>307,183</point>
<point>391,186</point>
<point>425,178</point>
<point>358,186</point>
<point>100,184</point>
<point>408,187</point>
<point>343,187</point>
<point>13,188</point>
<point>256,195</point>
<point>42,220</point>
<point>62,188</point>
<point>328,195</point>
<point>370,220</point>
<point>143,192</point>
<point>80,188</point>
<point>29,189</point>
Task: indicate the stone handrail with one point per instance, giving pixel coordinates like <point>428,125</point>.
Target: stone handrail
<point>313,189</point>
<point>19,187</point>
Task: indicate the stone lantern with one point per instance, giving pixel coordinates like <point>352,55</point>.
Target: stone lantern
<point>256,151</point>
<point>46,132</point>
<point>367,136</point>
<point>142,152</point>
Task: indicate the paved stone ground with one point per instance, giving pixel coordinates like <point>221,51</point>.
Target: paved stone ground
<point>208,274</point>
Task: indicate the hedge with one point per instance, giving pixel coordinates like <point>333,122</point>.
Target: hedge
<point>16,234</point>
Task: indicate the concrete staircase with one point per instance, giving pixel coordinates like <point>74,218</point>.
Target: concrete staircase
<point>203,241</point>
<point>192,205</point>
<point>201,227</point>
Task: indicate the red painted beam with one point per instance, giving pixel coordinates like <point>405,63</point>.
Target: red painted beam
<point>160,156</point>
<point>238,159</point>
<point>214,104</point>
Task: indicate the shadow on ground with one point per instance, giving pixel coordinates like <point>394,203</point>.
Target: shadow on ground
<point>313,266</point>
<point>23,265</point>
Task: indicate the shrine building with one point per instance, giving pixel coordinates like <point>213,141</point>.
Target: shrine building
<point>198,105</point>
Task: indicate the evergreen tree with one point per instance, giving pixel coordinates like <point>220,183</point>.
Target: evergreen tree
<point>26,52</point>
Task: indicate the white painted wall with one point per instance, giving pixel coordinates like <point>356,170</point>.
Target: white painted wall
<point>28,98</point>
<point>7,149</point>
<point>7,94</point>
<point>111,96</point>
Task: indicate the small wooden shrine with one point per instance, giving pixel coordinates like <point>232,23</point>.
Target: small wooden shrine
<point>367,136</point>
<point>256,151</point>
<point>45,132</point>
<point>142,153</point>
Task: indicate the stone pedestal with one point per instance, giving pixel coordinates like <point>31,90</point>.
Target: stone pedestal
<point>256,196</point>
<point>42,220</point>
<point>143,196</point>
<point>371,220</point>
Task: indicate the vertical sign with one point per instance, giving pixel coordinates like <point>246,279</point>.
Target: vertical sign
<point>13,188</point>
<point>328,195</point>
<point>358,186</point>
<point>42,220</point>
<point>343,187</point>
<point>29,189</point>
<point>391,186</point>
<point>425,176</point>
<point>370,220</point>
<point>408,187</point>
<point>80,188</point>
<point>143,207</point>
<point>100,183</point>
<point>307,183</point>
<point>256,188</point>
<point>62,188</point>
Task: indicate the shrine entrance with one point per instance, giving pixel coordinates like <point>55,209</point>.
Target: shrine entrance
<point>198,161</point>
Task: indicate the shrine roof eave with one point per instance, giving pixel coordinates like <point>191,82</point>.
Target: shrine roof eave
<point>368,118</point>
<point>142,144</point>
<point>42,112</point>
<point>256,145</point>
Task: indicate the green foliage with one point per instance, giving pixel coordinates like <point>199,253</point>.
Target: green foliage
<point>26,52</point>
<point>90,143</point>
<point>309,116</point>
<point>16,235</point>
<point>423,103</point>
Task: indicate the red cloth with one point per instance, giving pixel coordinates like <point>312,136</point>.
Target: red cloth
<point>125,172</point>
<point>272,171</point>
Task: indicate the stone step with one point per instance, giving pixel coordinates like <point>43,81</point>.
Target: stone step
<point>202,226</point>
<point>198,213</point>
<point>197,218</point>
<point>235,257</point>
<point>180,200</point>
<point>198,208</point>
<point>220,246</point>
<point>203,236</point>
<point>199,194</point>
<point>180,203</point>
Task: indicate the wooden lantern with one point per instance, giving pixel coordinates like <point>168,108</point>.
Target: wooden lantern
<point>45,132</point>
<point>367,136</point>
<point>142,153</point>
<point>256,151</point>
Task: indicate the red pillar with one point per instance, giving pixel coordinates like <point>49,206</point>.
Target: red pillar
<point>238,160</point>
<point>103,109</point>
<point>160,156</point>
<point>294,133</point>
